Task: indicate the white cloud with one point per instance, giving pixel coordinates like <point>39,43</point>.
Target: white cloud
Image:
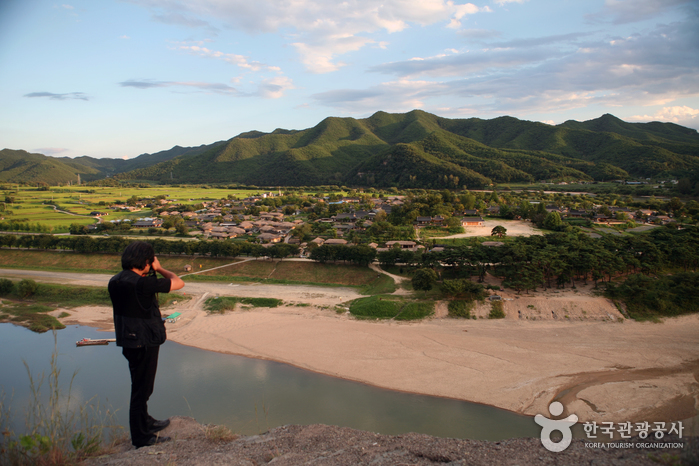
<point>234,59</point>
<point>678,114</point>
<point>318,57</point>
<point>217,88</point>
<point>270,88</point>
<point>53,96</point>
<point>394,96</point>
<point>274,88</point>
<point>51,151</point>
<point>656,68</point>
<point>68,7</point>
<point>124,37</point>
<point>631,11</point>
<point>323,29</point>
<point>504,2</point>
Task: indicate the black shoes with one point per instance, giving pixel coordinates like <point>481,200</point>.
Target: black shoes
<point>157,426</point>
<point>154,440</point>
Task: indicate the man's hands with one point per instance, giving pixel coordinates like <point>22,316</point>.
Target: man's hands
<point>156,265</point>
<point>176,282</point>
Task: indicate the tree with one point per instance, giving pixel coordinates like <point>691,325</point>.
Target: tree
<point>26,288</point>
<point>553,221</point>
<point>499,231</point>
<point>77,229</point>
<point>6,286</point>
<point>424,279</point>
<point>181,229</point>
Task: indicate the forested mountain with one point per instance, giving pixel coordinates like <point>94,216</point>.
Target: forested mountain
<point>18,166</point>
<point>418,149</point>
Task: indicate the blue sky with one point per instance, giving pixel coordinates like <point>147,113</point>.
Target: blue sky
<point>120,78</point>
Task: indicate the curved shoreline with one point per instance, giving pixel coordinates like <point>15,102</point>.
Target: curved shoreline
<point>551,341</point>
<point>507,364</point>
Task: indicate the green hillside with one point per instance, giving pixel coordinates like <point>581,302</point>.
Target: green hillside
<point>19,166</point>
<point>418,149</point>
<point>414,149</point>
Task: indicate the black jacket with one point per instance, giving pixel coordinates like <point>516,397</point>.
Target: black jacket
<point>137,319</point>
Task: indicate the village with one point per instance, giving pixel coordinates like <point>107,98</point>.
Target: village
<point>308,221</point>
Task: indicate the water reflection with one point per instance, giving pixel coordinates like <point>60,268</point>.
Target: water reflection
<point>247,395</point>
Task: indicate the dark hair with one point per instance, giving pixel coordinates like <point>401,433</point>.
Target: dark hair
<point>137,255</point>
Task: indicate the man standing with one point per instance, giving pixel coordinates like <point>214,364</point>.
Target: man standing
<point>140,331</point>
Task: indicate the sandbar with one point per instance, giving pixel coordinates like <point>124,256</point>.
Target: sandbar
<point>569,346</point>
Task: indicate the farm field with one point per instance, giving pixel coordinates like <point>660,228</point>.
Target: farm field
<point>34,206</point>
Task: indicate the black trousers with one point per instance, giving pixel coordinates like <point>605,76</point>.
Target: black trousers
<point>143,364</point>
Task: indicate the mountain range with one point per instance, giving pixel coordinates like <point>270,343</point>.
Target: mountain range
<point>415,149</point>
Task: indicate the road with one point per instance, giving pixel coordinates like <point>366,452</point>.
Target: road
<point>316,295</point>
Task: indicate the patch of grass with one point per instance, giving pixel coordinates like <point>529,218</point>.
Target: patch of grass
<point>219,434</point>
<point>60,261</point>
<point>63,315</point>
<point>297,272</point>
<point>399,270</point>
<point>382,284</point>
<point>72,296</point>
<point>416,311</point>
<point>460,308</point>
<point>31,315</point>
<point>390,307</point>
<point>94,263</point>
<point>269,281</point>
<point>496,310</point>
<point>375,307</point>
<point>228,303</point>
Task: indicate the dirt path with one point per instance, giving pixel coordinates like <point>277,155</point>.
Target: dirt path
<point>396,278</point>
<point>314,295</point>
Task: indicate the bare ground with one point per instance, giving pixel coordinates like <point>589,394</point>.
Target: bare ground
<point>329,445</point>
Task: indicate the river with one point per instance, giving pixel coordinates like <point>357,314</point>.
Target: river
<point>249,396</point>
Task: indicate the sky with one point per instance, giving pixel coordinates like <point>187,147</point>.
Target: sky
<point>119,78</point>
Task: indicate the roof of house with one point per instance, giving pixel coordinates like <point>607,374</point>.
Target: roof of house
<point>332,241</point>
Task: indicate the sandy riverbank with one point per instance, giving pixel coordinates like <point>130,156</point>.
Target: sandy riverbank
<point>602,369</point>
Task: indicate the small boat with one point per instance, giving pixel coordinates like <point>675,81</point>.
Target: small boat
<point>91,342</point>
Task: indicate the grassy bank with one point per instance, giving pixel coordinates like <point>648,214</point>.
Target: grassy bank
<point>222,304</point>
<point>94,263</point>
<point>33,311</point>
<point>278,272</point>
<point>390,307</point>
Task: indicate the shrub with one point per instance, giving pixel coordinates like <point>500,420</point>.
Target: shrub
<point>460,308</point>
<point>496,310</point>
<point>26,288</point>
<point>6,286</point>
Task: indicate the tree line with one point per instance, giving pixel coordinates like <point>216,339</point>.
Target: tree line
<point>116,244</point>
